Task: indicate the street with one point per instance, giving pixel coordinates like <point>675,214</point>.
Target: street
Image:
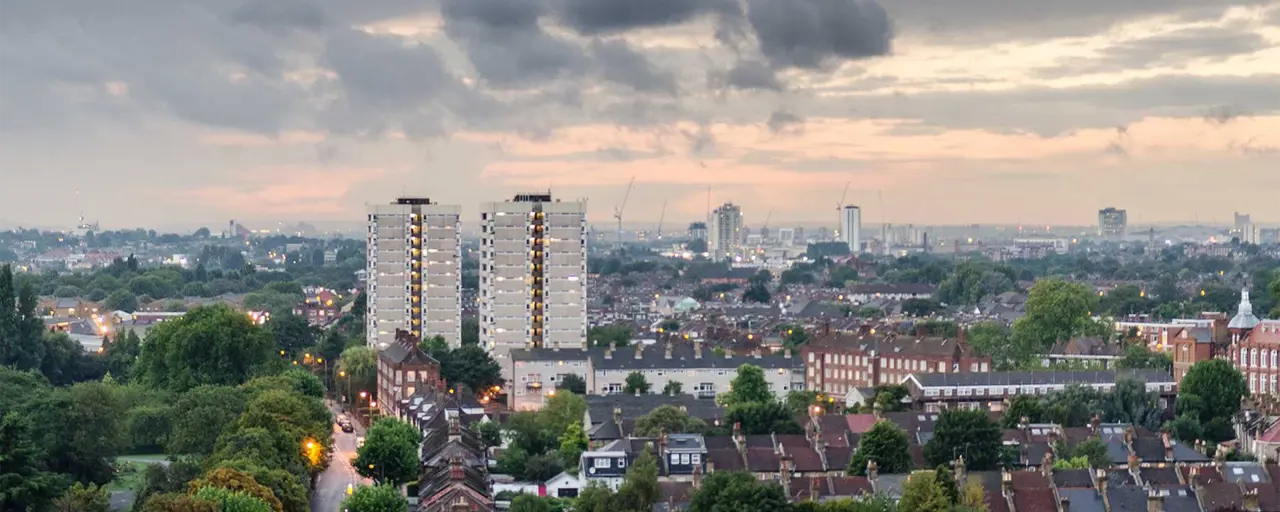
<point>331,487</point>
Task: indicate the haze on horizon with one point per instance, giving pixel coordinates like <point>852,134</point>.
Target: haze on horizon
<point>191,112</point>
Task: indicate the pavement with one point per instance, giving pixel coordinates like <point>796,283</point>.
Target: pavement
<point>331,486</point>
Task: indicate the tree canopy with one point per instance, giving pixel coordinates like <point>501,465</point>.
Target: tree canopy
<point>213,345</point>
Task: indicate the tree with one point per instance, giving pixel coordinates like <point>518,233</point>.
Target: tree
<point>471,366</point>
<point>531,503</point>
<point>1130,402</point>
<point>1138,356</point>
<point>889,397</point>
<point>435,346</point>
<point>1056,310</point>
<point>331,345</point>
<point>291,333</point>
<point>572,444</point>
<point>1186,428</point>
<point>381,498</point>
<point>1095,451</point>
<point>1023,406</point>
<point>21,329</point>
<point>201,414</point>
<point>83,498</point>
<point>673,388</point>
<point>120,354</point>
<point>90,418</point>
<point>968,433</point>
<point>121,300</point>
<point>920,307</point>
<point>923,493</point>
<point>233,501</point>
<point>24,482</point>
<point>490,434</point>
<point>887,445</point>
<point>1215,386</point>
<point>236,481</point>
<point>595,497</point>
<point>636,384</point>
<point>973,497</point>
<point>747,386</point>
<point>609,336</point>
<point>947,480</point>
<point>639,490</point>
<point>173,502</point>
<point>739,492</point>
<point>1073,406</point>
<point>669,419</point>
<point>762,418</point>
<point>209,345</point>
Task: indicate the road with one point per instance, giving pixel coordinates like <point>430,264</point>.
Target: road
<point>331,487</point>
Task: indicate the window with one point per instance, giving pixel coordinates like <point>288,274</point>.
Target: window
<point>675,458</point>
<point>684,458</point>
<point>622,463</point>
<point>695,458</point>
<point>600,462</point>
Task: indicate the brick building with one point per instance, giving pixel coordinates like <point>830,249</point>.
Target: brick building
<point>837,363</point>
<point>403,369</point>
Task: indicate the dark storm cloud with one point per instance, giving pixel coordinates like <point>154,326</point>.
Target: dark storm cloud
<point>592,17</point>
<point>619,63</point>
<point>496,14</point>
<point>506,45</point>
<point>781,119</point>
<point>1172,48</point>
<point>746,75</point>
<point>813,33</point>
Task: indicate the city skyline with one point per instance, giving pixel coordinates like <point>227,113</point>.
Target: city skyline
<point>936,114</point>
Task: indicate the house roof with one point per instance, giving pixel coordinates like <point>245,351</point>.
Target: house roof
<point>1083,500</point>
<point>684,356</point>
<point>1037,378</point>
<point>894,288</point>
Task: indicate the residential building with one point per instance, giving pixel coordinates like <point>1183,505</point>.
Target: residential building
<point>319,307</point>
<point>455,470</point>
<point>890,291</point>
<point>533,275</point>
<point>414,275</point>
<point>1094,352</point>
<point>537,373</point>
<point>403,369</point>
<point>933,392</point>
<point>838,363</point>
<point>724,234</point>
<point>1113,223</point>
<point>698,231</point>
<point>851,228</point>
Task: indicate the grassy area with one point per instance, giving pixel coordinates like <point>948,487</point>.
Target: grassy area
<point>131,471</point>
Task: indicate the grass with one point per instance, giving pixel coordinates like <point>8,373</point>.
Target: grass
<point>131,469</point>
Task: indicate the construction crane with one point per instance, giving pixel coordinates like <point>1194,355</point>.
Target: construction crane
<point>661,217</point>
<point>843,195</point>
<point>764,230</point>
<point>617,212</point>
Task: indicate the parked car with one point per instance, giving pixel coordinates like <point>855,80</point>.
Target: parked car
<point>348,428</point>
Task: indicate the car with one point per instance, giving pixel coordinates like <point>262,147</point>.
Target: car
<point>348,428</point>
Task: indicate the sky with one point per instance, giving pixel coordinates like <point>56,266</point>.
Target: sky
<point>193,112</point>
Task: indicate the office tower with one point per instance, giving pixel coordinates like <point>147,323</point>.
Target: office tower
<point>533,274</point>
<point>1112,222</point>
<point>698,231</point>
<point>724,235</point>
<point>414,271</point>
<point>851,228</point>
<point>786,237</point>
<point>1241,221</point>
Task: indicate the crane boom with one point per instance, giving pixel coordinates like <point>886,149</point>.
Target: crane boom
<point>617,212</point>
<point>843,195</point>
<point>662,216</point>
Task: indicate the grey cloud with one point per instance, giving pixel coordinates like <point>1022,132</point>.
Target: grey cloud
<point>497,14</point>
<point>780,120</point>
<point>280,15</point>
<point>1170,49</point>
<point>619,63</point>
<point>813,33</point>
<point>507,47</point>
<point>701,142</point>
<point>1223,114</point>
<point>746,75</point>
<point>592,17</point>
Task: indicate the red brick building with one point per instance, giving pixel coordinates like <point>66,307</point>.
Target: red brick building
<point>837,363</point>
<point>403,369</point>
<point>320,308</point>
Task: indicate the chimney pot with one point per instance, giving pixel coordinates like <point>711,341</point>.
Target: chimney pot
<point>1155,502</point>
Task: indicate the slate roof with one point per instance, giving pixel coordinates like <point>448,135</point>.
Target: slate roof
<point>1035,500</point>
<point>1159,476</point>
<point>653,357</point>
<point>1245,472</point>
<point>1220,495</point>
<point>600,407</point>
<point>405,351</point>
<point>549,354</point>
<point>1072,478</point>
<point>893,288</point>
<point>1083,500</point>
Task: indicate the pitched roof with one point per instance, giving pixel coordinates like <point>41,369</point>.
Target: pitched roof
<point>1038,378</point>
<point>684,356</point>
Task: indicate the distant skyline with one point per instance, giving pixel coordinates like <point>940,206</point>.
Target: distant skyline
<point>189,113</point>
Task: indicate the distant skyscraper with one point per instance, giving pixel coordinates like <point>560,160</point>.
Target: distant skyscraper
<point>533,275</point>
<point>1112,223</point>
<point>1241,220</point>
<point>786,236</point>
<point>851,228</point>
<point>724,235</point>
<point>698,231</point>
<point>414,271</point>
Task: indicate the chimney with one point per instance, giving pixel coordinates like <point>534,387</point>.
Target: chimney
<point>756,353</point>
<point>877,410</point>
<point>1134,463</point>
<point>784,473</point>
<point>639,350</point>
<point>662,442</point>
<point>820,446</point>
<point>697,475</point>
<point>1065,504</point>
<point>786,352</point>
<point>808,428</point>
<point>1024,424</point>
<point>1168,447</point>
<point>961,339</point>
<point>711,465</point>
<point>1095,423</point>
<point>1006,483</point>
<point>1220,460</point>
<point>813,488</point>
<point>1102,488</point>
<point>1128,437</point>
<point>1046,465</point>
<point>667,353</point>
<point>617,415</point>
<point>873,470</point>
<point>739,439</point>
<point>697,350</point>
<point>1155,502</point>
<point>608,352</point>
<point>1249,497</point>
<point>826,327</point>
<point>456,473</point>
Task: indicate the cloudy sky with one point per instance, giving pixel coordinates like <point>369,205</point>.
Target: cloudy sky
<point>189,112</point>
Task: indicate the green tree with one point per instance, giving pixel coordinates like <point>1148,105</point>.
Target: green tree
<point>22,342</point>
<point>390,453</point>
<point>237,481</point>
<point>358,371</point>
<point>209,345</point>
<point>490,434</point>
<point>173,502</point>
<point>747,386</point>
<point>673,388</point>
<point>639,490</point>
<point>947,480</point>
<point>291,333</point>
<point>1056,310</point>
<point>1138,356</point>
<point>119,355</point>
<point>1073,406</point>
<point>232,501</point>
<point>762,418</point>
<point>609,336</point>
<point>739,492</point>
<point>24,482</point>
<point>887,445</point>
<point>636,384</point>
<point>1130,403</point>
<point>1215,387</point>
<point>968,433</point>
<point>1023,406</point>
<point>1186,428</point>
<point>148,428</point>
<point>121,300</point>
<point>923,493</point>
<point>669,419</point>
<point>1095,451</point>
<point>90,417</point>
<point>572,444</point>
<point>595,497</point>
<point>331,345</point>
<point>471,366</point>
<point>201,414</point>
<point>83,498</point>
